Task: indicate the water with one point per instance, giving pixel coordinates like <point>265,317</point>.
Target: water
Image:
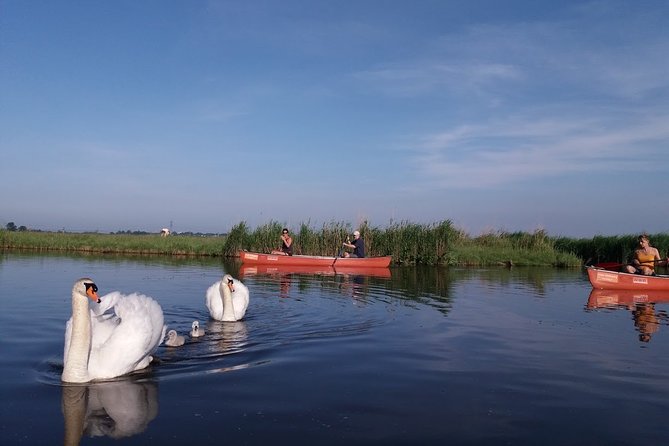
<point>428,356</point>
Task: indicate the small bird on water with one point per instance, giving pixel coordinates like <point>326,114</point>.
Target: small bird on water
<point>196,332</point>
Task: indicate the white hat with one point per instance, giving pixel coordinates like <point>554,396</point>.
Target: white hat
<point>356,233</point>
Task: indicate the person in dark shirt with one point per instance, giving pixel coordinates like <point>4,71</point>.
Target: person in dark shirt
<point>286,244</point>
<point>358,246</point>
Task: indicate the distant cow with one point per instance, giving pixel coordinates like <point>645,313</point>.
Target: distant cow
<point>164,232</point>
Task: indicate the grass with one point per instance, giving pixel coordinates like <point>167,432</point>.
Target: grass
<point>113,243</point>
<point>408,243</point>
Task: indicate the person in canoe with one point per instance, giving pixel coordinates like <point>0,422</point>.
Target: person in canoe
<point>357,245</point>
<point>645,258</point>
<point>286,244</point>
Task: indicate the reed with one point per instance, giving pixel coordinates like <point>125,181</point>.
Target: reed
<point>408,243</point>
<point>619,248</point>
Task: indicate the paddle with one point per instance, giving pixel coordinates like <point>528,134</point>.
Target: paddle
<point>614,266</point>
<point>611,266</point>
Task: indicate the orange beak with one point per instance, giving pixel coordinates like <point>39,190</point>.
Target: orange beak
<point>93,295</point>
<point>231,285</point>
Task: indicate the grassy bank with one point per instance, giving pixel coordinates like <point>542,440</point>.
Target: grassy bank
<point>112,243</point>
<point>409,243</point>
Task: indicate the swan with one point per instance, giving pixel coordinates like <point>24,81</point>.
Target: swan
<point>114,338</point>
<point>227,299</point>
<point>196,331</point>
<point>174,340</point>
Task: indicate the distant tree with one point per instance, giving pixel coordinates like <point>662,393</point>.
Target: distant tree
<point>22,228</point>
<point>11,226</point>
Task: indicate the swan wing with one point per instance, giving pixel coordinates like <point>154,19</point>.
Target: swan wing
<point>124,343</point>
<point>240,299</point>
<point>214,301</point>
<point>104,319</point>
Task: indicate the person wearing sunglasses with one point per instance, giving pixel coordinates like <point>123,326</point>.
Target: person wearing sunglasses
<point>286,244</point>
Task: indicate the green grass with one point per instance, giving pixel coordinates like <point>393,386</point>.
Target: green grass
<point>408,243</point>
<point>113,243</point>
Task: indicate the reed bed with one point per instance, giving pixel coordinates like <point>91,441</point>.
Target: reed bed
<point>618,248</point>
<point>408,243</point>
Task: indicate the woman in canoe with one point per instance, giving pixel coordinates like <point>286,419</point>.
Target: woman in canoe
<point>645,258</point>
<point>286,244</point>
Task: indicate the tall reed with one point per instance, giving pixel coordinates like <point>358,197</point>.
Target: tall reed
<point>618,248</point>
<point>408,243</point>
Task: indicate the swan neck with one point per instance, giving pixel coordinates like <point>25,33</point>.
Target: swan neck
<point>228,308</point>
<point>75,363</point>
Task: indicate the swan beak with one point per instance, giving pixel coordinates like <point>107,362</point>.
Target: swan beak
<point>93,294</point>
<point>231,285</point>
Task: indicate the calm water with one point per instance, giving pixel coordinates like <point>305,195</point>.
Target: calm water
<point>428,356</point>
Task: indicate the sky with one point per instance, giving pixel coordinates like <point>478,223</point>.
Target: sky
<point>497,115</point>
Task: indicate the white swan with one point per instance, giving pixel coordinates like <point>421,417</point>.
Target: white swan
<point>174,340</point>
<point>227,299</point>
<point>196,331</point>
<point>114,339</point>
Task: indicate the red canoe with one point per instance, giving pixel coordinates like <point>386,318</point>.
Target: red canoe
<point>612,280</point>
<point>256,258</point>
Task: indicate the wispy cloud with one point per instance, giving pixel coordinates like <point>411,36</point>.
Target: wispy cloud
<point>525,148</point>
<point>429,76</point>
<point>543,99</point>
<point>570,54</point>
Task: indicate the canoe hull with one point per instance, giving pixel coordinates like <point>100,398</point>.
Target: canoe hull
<point>612,280</point>
<point>247,270</point>
<point>256,258</point>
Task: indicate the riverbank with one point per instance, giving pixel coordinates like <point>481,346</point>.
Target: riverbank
<point>407,243</point>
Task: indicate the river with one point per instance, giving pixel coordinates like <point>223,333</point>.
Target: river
<point>519,356</point>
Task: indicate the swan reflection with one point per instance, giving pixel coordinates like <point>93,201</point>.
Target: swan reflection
<point>113,409</point>
<point>227,337</point>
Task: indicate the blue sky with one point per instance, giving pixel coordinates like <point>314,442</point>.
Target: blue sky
<point>496,115</point>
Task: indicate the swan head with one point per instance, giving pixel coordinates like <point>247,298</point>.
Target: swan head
<point>171,335</point>
<point>229,282</point>
<point>87,288</point>
<point>195,326</point>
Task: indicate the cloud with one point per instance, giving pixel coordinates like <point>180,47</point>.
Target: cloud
<point>527,148</point>
<point>425,77</point>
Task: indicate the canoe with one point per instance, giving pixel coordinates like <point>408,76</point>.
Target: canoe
<point>625,298</point>
<point>247,270</point>
<point>613,280</point>
<point>256,258</point>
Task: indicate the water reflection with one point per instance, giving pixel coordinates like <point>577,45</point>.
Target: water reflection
<point>354,285</point>
<point>226,337</point>
<point>252,270</point>
<point>642,305</point>
<point>113,409</point>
